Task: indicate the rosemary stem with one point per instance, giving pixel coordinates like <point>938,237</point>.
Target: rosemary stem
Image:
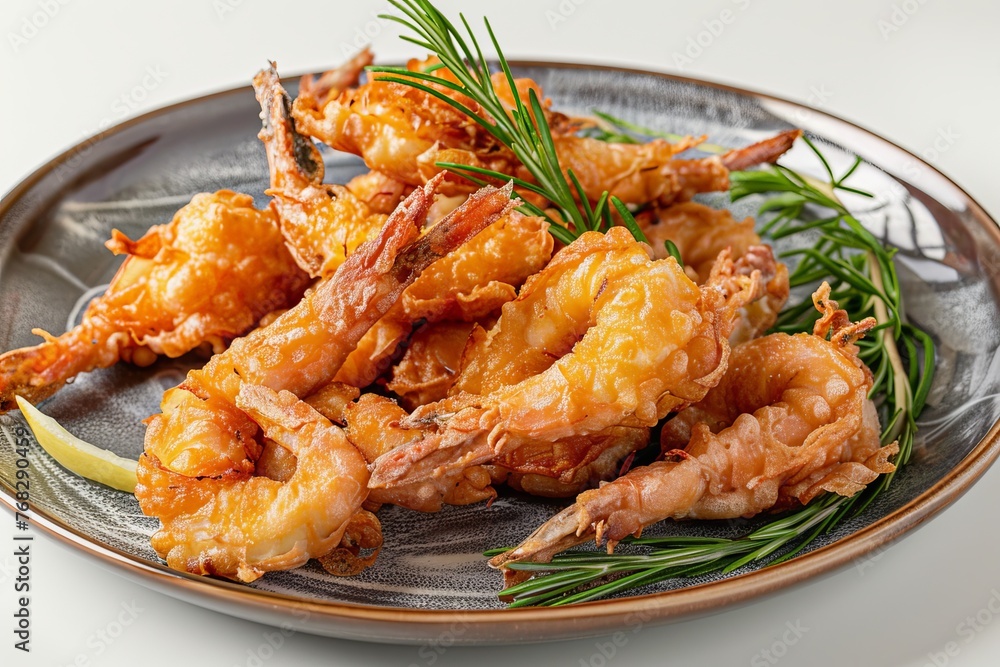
<point>901,386</point>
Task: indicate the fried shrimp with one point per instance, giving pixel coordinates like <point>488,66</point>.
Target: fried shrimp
<point>404,132</point>
<point>373,427</point>
<point>430,364</point>
<point>321,223</point>
<point>241,525</point>
<point>791,418</point>
<point>650,173</point>
<point>700,234</point>
<point>208,430</point>
<point>398,129</point>
<point>465,285</point>
<point>613,339</point>
<point>206,277</point>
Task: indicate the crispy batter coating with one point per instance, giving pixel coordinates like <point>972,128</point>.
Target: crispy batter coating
<point>465,285</point>
<point>430,364</point>
<point>206,277</point>
<point>790,418</point>
<point>613,339</point>
<point>198,472</point>
<point>404,132</point>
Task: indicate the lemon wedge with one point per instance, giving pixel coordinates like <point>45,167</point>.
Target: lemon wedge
<point>78,456</point>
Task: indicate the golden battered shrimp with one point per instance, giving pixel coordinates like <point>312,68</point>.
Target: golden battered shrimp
<point>790,418</point>
<point>321,223</point>
<point>596,458</point>
<point>465,285</point>
<point>206,277</point>
<point>381,193</point>
<point>430,364</point>
<point>404,132</point>
<point>207,432</point>
<point>373,427</point>
<point>649,173</point>
<point>397,128</point>
<point>616,340</point>
<point>700,234</point>
<point>241,525</point>
<point>549,315</point>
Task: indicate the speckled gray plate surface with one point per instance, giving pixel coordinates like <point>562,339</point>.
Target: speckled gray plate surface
<point>431,577</point>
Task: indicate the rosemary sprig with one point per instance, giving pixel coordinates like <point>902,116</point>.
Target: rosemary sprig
<point>524,130</point>
<point>901,356</point>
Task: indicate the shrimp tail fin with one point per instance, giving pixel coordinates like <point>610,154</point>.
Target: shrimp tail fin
<point>37,372</point>
<point>433,456</point>
<point>29,372</point>
<point>641,497</point>
<point>768,150</point>
<point>290,156</point>
<point>481,209</point>
<point>320,90</point>
<point>836,323</point>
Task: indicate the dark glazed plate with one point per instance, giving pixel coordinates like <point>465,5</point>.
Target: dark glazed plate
<point>431,577</point>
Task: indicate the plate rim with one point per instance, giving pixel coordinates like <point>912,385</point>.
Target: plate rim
<point>484,626</point>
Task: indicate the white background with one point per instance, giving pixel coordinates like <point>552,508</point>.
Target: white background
<point>924,74</point>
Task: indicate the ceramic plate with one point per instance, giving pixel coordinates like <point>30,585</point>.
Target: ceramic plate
<point>431,577</point>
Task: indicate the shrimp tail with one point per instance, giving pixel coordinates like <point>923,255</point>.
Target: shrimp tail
<point>320,90</point>
<point>449,443</point>
<point>481,209</point>
<point>289,154</point>
<point>376,426</point>
<point>429,459</point>
<point>836,323</point>
<point>37,372</point>
<point>768,150</point>
<point>615,510</point>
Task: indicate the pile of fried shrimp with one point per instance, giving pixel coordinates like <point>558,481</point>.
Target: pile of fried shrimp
<point>409,338</point>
